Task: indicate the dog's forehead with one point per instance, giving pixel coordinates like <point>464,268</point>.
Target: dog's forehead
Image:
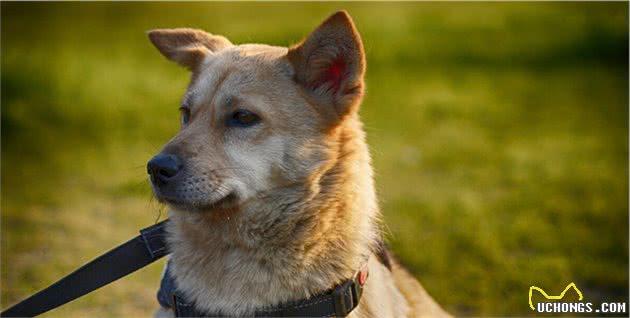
<point>237,69</point>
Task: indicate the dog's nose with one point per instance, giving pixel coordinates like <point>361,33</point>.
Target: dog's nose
<point>163,167</point>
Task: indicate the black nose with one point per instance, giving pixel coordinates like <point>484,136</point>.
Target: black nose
<point>163,168</point>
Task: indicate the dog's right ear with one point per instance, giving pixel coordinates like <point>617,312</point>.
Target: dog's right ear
<point>187,47</point>
<point>330,65</point>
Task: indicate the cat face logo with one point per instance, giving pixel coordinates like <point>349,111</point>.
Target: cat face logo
<point>559,297</point>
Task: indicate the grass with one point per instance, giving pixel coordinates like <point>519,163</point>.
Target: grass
<point>499,133</point>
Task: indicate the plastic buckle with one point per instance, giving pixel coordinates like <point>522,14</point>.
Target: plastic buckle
<point>343,298</point>
<point>175,301</point>
<point>357,292</point>
<point>359,281</point>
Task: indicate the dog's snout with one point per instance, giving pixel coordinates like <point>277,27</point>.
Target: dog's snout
<point>163,167</point>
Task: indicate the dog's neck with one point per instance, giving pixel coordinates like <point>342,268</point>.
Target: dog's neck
<point>237,263</point>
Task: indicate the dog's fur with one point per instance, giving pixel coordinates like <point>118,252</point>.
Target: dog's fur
<point>286,208</point>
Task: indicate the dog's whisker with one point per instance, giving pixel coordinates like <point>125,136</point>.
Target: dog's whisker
<point>231,168</point>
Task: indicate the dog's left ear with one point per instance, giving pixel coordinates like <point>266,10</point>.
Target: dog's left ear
<point>329,65</point>
<point>187,47</point>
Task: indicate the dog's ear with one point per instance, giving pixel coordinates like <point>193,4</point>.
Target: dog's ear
<point>330,63</point>
<point>187,47</point>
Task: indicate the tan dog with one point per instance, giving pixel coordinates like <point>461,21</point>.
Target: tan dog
<point>269,179</point>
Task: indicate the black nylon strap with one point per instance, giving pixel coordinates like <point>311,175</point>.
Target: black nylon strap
<point>338,302</point>
<point>125,259</point>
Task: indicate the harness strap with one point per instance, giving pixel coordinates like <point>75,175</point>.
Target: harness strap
<point>338,302</point>
<point>123,260</point>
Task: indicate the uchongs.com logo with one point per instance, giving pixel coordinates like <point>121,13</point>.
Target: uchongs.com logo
<point>559,306</point>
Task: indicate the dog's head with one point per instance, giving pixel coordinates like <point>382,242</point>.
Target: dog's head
<point>255,117</point>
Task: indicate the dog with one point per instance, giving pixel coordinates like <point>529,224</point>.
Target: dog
<point>269,181</point>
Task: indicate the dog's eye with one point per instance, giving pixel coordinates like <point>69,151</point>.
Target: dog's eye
<point>185,115</point>
<point>243,118</point>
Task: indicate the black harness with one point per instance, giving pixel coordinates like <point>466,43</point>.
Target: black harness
<point>150,246</point>
<point>337,302</point>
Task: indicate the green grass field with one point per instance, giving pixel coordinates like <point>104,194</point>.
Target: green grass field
<point>499,133</point>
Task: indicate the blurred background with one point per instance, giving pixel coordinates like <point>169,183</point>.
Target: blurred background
<point>499,133</point>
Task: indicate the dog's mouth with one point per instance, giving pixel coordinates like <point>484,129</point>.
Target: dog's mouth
<point>218,202</point>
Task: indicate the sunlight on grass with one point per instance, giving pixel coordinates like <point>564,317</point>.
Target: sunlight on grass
<point>499,133</point>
